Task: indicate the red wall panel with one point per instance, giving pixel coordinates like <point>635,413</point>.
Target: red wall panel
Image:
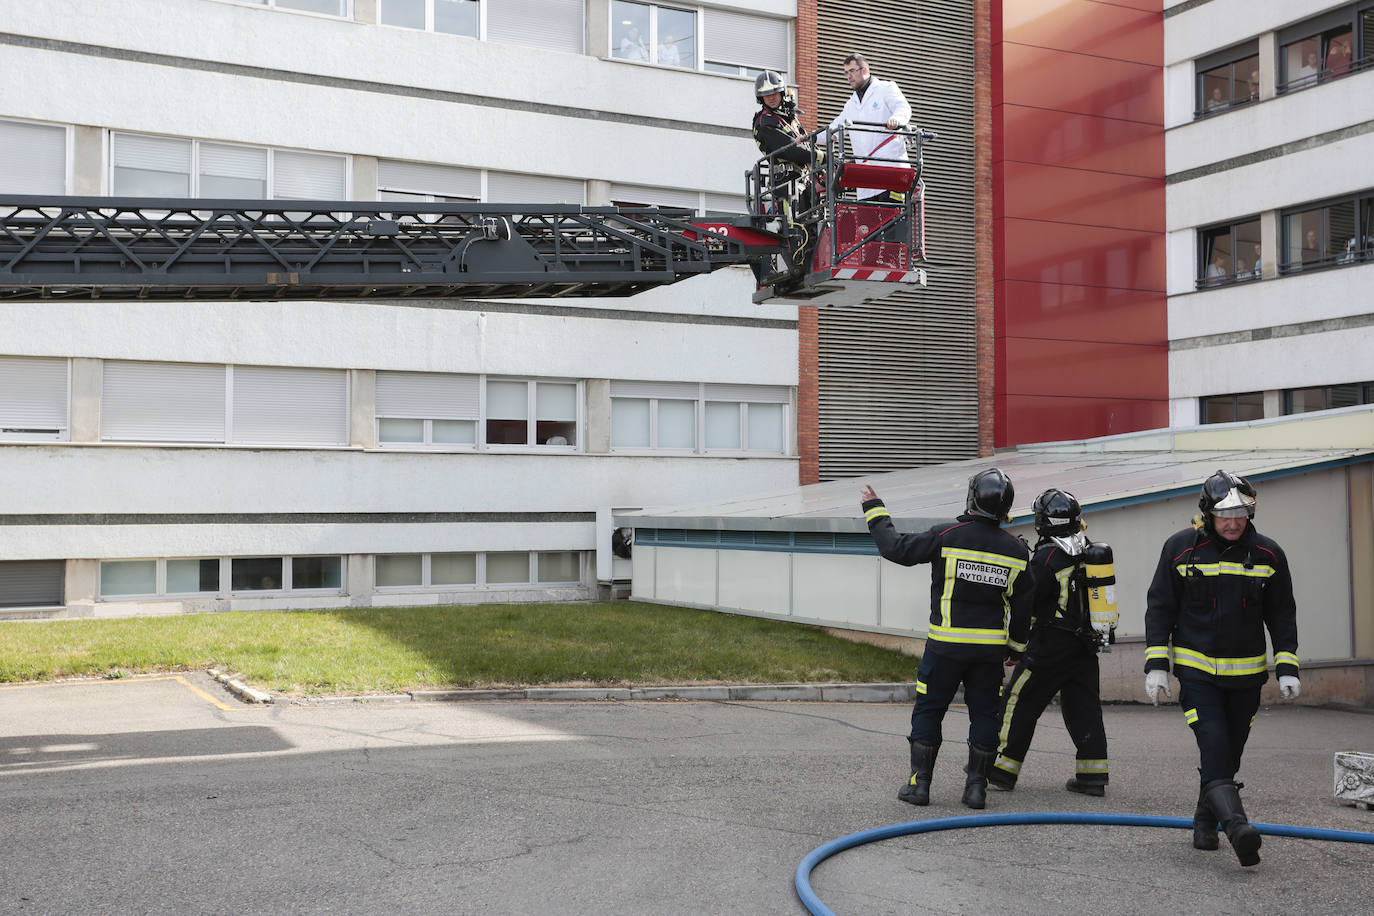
<point>1081,343</point>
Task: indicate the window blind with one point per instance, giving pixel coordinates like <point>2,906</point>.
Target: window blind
<point>158,154</point>
<point>556,25</point>
<point>425,178</point>
<point>687,391</point>
<point>162,402</point>
<point>754,41</point>
<point>308,176</point>
<point>233,161</point>
<point>655,197</point>
<point>428,395</point>
<point>33,393</point>
<point>292,406</point>
<point>31,583</point>
<point>33,158</point>
<point>511,188</point>
<point>764,394</point>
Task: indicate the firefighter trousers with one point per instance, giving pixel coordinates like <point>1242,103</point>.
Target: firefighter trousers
<point>938,678</point>
<point>1075,679</point>
<point>1221,720</point>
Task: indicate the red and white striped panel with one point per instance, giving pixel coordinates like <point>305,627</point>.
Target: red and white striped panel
<point>887,276</point>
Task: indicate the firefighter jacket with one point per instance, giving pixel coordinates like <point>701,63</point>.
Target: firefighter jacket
<point>775,128</point>
<point>1060,626</point>
<point>977,578</point>
<point>1213,601</point>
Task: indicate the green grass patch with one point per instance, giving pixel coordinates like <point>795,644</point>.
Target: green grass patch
<point>371,650</point>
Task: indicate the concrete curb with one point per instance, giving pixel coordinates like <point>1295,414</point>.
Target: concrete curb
<point>831,693</point>
<point>239,688</point>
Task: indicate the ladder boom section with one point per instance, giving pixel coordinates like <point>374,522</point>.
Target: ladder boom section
<point>148,248</point>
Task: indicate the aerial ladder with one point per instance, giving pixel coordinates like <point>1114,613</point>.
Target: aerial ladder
<point>806,240</point>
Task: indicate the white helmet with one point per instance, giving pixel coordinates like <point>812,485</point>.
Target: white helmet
<point>767,83</point>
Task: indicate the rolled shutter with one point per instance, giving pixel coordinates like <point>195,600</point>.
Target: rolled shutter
<point>655,197</point>
<point>162,402</point>
<point>33,393</point>
<point>555,25</point>
<point>682,391</point>
<point>31,583</point>
<point>158,154</point>
<point>898,378</point>
<point>308,176</point>
<point>290,406</point>
<point>33,158</point>
<point>752,41</point>
<point>427,396</point>
<point>424,178</point>
<point>511,188</point>
<point>762,394</point>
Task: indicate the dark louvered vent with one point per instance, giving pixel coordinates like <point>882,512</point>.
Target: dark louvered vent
<point>899,379</point>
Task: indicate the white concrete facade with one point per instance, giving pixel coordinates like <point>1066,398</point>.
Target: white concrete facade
<point>235,73</point>
<point>1288,149</point>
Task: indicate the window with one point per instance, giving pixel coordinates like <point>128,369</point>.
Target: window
<point>452,17</point>
<point>155,578</point>
<point>508,568</point>
<point>1230,408</point>
<point>191,402</point>
<point>473,570</point>
<point>148,166</point>
<point>276,574</point>
<point>681,415</point>
<point>427,408</point>
<point>1331,397</point>
<point>1222,83</point>
<point>418,181</point>
<point>425,570</point>
<point>33,158</point>
<point>735,43</point>
<point>531,413</point>
<point>1326,47</point>
<point>1337,233</point>
<point>1229,253</point>
<point>33,398</point>
<point>31,583</point>
<point>630,195</point>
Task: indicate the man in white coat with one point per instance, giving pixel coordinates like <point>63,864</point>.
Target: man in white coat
<point>877,101</point>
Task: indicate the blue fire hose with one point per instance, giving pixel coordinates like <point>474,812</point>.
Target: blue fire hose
<point>821,853</point>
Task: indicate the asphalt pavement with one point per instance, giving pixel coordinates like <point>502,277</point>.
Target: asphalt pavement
<point>171,795</point>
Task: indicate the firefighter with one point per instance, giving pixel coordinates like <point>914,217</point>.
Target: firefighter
<point>778,132</point>
<point>1059,657</point>
<point>976,579</point>
<point>777,124</point>
<point>1218,586</point>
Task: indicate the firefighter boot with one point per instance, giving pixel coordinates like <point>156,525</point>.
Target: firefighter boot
<point>1224,800</point>
<point>1204,825</point>
<point>917,788</point>
<point>976,782</point>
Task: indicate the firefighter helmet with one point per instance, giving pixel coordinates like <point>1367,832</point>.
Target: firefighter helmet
<point>990,494</point>
<point>1227,495</point>
<point>767,83</point>
<point>1056,514</point>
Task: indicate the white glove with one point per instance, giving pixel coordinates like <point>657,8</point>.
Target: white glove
<point>1290,688</point>
<point>1155,681</point>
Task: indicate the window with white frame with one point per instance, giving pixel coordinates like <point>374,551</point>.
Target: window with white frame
<point>654,34</point>
<point>193,402</point>
<point>554,25</point>
<point>477,570</point>
<point>33,398</point>
<point>33,158</point>
<point>427,409</point>
<point>279,574</point>
<point>31,583</point>
<point>700,418</point>
<point>161,577</point>
<point>342,9</point>
<point>527,412</point>
<point>630,195</point>
<point>746,45</point>
<point>142,165</point>
<point>450,17</point>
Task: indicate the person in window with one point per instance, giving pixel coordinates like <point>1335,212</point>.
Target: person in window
<point>1338,56</point>
<point>978,572</point>
<point>667,52</point>
<point>1218,268</point>
<point>873,101</point>
<point>1218,587</point>
<point>632,46</point>
<point>1256,271</point>
<point>1217,101</point>
<point>1311,246</point>
<point>1310,66</point>
<point>1253,85</point>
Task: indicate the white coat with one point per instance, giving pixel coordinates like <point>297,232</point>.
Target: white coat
<point>882,101</point>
